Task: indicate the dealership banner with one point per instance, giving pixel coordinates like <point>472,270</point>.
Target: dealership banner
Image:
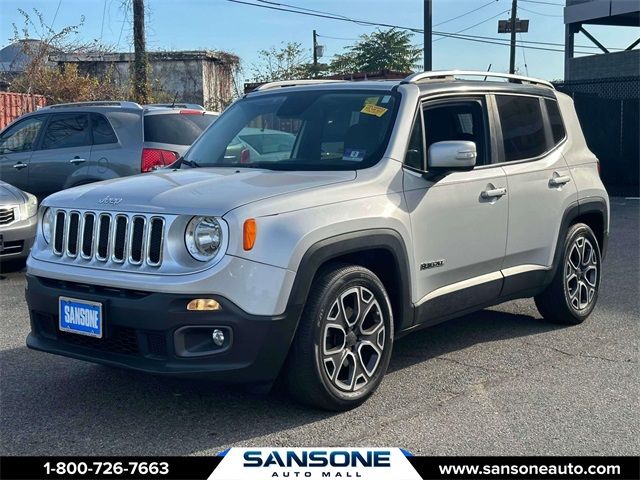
<point>319,463</point>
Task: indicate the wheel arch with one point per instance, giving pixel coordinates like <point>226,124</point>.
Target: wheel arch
<point>594,213</point>
<point>380,250</point>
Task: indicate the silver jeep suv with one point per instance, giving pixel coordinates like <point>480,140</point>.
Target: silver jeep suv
<point>395,206</point>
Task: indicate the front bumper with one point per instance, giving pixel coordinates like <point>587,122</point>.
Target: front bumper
<point>17,238</point>
<point>139,330</point>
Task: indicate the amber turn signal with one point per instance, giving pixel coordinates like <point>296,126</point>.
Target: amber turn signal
<point>202,304</point>
<point>249,233</point>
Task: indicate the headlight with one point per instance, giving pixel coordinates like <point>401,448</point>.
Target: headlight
<point>47,225</point>
<point>30,208</point>
<point>203,238</point>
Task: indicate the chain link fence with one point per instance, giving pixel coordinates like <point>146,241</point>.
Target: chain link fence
<point>609,112</point>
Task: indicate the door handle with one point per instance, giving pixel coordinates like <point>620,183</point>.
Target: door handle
<point>494,193</point>
<point>77,160</point>
<point>559,181</point>
<point>20,165</point>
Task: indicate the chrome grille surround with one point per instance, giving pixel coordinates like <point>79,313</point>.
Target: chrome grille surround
<point>98,236</point>
<point>8,214</point>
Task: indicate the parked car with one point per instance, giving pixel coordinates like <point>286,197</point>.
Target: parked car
<point>66,145</point>
<point>18,220</point>
<point>261,145</point>
<point>400,204</point>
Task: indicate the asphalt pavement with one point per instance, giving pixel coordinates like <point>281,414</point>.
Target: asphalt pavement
<point>498,382</point>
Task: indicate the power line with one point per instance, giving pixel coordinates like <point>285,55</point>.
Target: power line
<point>104,10</point>
<point>498,41</point>
<point>491,2</point>
<point>338,38</point>
<point>475,24</point>
<point>55,15</point>
<point>328,15</point>
<point>540,13</point>
<point>543,3</point>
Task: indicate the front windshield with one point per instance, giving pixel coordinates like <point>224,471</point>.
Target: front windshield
<point>312,130</point>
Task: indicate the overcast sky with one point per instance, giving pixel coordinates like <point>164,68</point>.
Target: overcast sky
<point>243,29</point>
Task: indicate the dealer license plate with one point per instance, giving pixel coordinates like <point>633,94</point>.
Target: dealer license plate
<point>80,316</point>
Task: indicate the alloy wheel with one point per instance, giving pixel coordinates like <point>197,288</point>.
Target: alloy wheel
<point>581,273</point>
<point>353,339</point>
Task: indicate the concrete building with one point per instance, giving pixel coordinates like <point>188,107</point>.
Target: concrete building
<point>578,14</point>
<point>204,77</point>
<point>606,89</point>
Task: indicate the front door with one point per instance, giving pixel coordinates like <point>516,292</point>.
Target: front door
<point>458,219</point>
<point>64,152</point>
<point>16,145</point>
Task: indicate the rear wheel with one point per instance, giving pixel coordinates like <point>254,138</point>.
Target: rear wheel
<point>572,295</point>
<point>343,344</point>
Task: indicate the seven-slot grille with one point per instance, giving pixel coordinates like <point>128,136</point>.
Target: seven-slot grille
<point>7,215</point>
<point>104,236</point>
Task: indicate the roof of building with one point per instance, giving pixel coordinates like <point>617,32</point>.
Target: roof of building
<point>210,55</point>
<point>603,12</point>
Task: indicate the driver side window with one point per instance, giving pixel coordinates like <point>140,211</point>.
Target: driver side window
<point>457,120</point>
<point>22,136</point>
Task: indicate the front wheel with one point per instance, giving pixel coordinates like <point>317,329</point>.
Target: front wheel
<point>344,341</point>
<point>573,292</point>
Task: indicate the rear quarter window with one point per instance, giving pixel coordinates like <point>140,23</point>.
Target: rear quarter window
<point>176,129</point>
<point>555,120</point>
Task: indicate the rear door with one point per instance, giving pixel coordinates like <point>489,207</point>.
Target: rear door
<point>532,137</point>
<point>63,153</point>
<point>16,145</point>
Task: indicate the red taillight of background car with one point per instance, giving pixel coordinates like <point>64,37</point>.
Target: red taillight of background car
<point>190,111</point>
<point>245,156</point>
<point>153,158</point>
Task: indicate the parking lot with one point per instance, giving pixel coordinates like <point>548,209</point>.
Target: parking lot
<point>497,382</point>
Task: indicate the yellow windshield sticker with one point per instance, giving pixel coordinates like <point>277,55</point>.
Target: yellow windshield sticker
<point>371,101</point>
<point>374,110</point>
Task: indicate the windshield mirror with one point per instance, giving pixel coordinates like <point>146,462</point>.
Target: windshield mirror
<point>312,130</point>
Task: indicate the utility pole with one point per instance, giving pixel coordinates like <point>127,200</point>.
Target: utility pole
<point>315,54</point>
<point>140,85</point>
<point>428,33</point>
<point>512,57</point>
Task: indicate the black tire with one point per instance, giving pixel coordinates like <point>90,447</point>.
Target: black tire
<point>310,377</point>
<point>562,301</point>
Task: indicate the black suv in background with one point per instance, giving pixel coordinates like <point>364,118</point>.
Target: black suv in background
<point>66,145</point>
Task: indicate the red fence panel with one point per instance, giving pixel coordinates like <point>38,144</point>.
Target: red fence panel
<point>12,105</point>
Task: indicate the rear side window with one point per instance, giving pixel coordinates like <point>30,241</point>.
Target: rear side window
<point>102,131</point>
<point>67,130</point>
<point>176,129</point>
<point>522,127</point>
<point>555,119</point>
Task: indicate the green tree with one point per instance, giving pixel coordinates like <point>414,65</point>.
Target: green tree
<point>381,50</point>
<point>289,62</point>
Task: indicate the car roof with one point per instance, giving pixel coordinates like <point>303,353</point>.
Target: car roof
<point>431,87</point>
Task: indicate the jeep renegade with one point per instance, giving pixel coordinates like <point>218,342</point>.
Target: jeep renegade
<point>316,222</point>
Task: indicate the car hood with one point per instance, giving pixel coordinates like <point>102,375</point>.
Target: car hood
<point>204,191</point>
<point>10,195</point>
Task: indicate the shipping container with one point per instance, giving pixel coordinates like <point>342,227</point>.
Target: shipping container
<point>12,105</point>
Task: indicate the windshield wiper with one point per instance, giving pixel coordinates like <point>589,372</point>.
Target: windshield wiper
<point>183,161</point>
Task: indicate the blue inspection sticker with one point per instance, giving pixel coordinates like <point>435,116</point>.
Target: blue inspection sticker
<point>353,155</point>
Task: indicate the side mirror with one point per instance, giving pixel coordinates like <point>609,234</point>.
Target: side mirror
<point>453,155</point>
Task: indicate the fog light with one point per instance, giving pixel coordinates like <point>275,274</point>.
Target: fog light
<point>200,304</point>
<point>218,337</point>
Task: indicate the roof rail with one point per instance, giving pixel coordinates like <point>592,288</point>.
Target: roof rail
<point>193,106</point>
<point>106,103</point>
<point>293,83</point>
<point>453,74</point>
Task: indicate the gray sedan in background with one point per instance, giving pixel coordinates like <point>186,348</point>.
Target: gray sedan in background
<point>18,220</point>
